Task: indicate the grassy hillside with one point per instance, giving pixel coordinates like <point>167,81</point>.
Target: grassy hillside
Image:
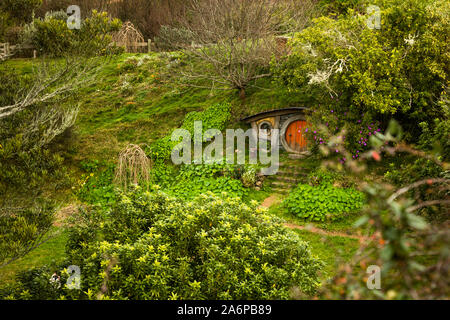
<point>139,98</point>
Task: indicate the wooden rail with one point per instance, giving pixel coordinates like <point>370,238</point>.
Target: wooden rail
<point>129,45</point>
<point>7,50</point>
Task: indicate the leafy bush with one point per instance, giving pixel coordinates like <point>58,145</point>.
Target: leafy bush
<point>21,229</point>
<point>436,139</point>
<point>369,73</point>
<point>158,247</point>
<point>249,177</point>
<point>20,10</point>
<point>96,185</point>
<point>151,246</point>
<point>214,117</point>
<point>323,202</point>
<point>321,176</point>
<point>25,164</point>
<point>199,185</point>
<point>51,35</point>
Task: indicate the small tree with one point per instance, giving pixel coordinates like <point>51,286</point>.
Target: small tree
<point>236,39</point>
<point>133,166</point>
<point>128,36</point>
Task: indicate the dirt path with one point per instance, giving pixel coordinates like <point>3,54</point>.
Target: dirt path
<point>64,213</point>
<point>325,232</point>
<point>270,201</point>
<point>274,199</point>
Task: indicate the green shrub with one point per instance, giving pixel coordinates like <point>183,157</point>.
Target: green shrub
<point>51,36</point>
<point>436,138</point>
<point>321,176</point>
<point>371,74</point>
<point>20,10</point>
<point>21,229</point>
<point>158,247</point>
<point>25,165</point>
<point>213,117</point>
<point>249,176</point>
<point>323,202</point>
<point>152,246</point>
<point>96,185</point>
<point>200,185</point>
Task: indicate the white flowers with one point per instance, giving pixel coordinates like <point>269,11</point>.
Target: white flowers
<point>410,40</point>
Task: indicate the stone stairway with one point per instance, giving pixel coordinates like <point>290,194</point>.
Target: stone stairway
<point>290,173</point>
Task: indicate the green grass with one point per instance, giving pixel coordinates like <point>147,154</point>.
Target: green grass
<point>51,251</point>
<point>154,103</point>
<point>344,225</point>
<point>332,250</point>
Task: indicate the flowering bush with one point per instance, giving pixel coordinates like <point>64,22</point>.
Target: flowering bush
<point>152,246</point>
<point>354,132</point>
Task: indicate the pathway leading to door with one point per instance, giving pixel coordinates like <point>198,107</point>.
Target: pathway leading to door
<point>276,198</point>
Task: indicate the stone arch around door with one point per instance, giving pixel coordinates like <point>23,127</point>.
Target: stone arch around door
<point>279,119</point>
<point>299,143</point>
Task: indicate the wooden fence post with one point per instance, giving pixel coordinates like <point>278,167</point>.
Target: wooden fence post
<point>149,44</point>
<point>7,48</point>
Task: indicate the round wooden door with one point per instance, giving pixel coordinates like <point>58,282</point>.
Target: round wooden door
<point>295,135</point>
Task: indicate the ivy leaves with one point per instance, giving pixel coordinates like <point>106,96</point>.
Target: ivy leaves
<point>323,202</point>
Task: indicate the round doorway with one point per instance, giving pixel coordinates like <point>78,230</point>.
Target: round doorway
<point>293,135</point>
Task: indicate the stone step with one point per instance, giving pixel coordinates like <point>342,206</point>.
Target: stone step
<point>280,190</point>
<point>290,173</point>
<point>286,179</point>
<point>283,184</point>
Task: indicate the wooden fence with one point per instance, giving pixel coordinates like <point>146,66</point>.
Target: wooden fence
<point>7,50</point>
<point>136,46</point>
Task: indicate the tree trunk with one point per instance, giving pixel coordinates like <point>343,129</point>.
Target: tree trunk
<point>242,93</point>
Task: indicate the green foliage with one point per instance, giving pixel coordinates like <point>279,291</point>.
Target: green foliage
<point>96,185</point>
<point>24,165</point>
<point>399,70</point>
<point>21,229</point>
<point>192,188</point>
<point>161,150</point>
<point>213,117</point>
<point>51,35</point>
<point>436,139</point>
<point>20,10</point>
<point>402,241</point>
<point>323,202</point>
<point>408,172</point>
<point>340,6</point>
<point>152,246</point>
<point>249,176</point>
<point>322,176</point>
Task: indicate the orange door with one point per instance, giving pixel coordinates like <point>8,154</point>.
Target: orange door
<point>295,135</point>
